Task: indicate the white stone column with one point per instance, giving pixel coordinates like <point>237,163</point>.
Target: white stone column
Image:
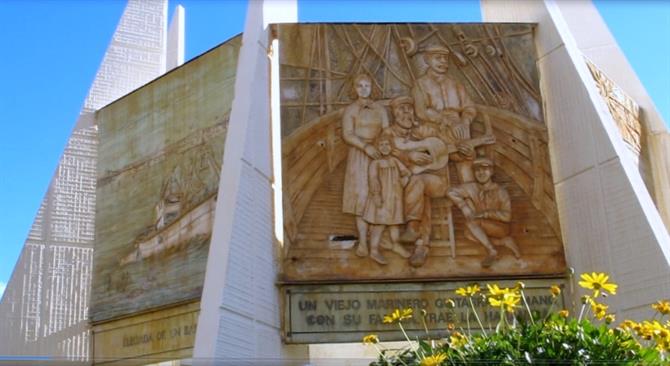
<point>176,41</point>
<point>239,316</point>
<point>608,219</point>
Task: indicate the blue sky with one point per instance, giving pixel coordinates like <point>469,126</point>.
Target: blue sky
<point>52,49</point>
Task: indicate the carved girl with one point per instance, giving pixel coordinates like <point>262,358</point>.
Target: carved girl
<point>362,122</point>
<point>387,176</point>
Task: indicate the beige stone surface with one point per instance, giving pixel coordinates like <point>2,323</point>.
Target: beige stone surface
<point>156,336</point>
<point>608,218</point>
<point>546,38</point>
<point>659,145</point>
<point>346,354</point>
<point>598,45</point>
<point>575,143</point>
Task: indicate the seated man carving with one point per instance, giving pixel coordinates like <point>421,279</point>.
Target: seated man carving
<point>427,156</point>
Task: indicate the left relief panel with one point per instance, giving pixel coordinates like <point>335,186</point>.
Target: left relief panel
<point>160,154</point>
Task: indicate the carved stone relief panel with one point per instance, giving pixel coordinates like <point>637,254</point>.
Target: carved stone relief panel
<point>414,151</point>
<point>624,110</point>
<point>160,155</point>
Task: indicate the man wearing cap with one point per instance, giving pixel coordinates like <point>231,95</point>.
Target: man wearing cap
<point>443,101</point>
<point>487,210</point>
<point>419,148</point>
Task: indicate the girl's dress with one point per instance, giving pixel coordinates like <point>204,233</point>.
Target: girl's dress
<point>385,177</point>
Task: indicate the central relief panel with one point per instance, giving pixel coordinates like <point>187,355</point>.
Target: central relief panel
<point>414,152</point>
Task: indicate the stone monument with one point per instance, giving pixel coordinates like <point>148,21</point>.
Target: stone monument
<point>295,183</point>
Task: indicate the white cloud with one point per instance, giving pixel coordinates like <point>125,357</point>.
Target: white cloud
<point>2,288</point>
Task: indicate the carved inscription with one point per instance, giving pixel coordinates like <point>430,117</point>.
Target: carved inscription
<point>346,312</point>
<point>166,333</point>
<point>131,340</point>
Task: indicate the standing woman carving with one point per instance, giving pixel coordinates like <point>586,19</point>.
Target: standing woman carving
<point>362,122</point>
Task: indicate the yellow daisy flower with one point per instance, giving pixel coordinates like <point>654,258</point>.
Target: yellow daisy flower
<point>457,340</point>
<point>370,339</point>
<point>508,301</point>
<point>599,310</point>
<point>609,318</point>
<point>398,315</point>
<point>434,360</point>
<point>496,291</point>
<point>627,324</point>
<point>662,306</point>
<point>555,290</point>
<point>653,330</point>
<point>468,291</point>
<point>563,313</point>
<point>596,282</point>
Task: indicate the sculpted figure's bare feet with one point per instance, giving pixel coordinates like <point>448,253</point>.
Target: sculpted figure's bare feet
<point>378,257</point>
<point>362,249</point>
<point>418,258</point>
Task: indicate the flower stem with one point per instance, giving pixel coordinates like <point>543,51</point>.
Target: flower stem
<point>467,321</point>
<point>481,326</point>
<point>551,307</point>
<point>408,340</point>
<point>581,313</point>
<point>503,319</point>
<point>530,313</point>
<point>425,326</point>
<point>380,352</point>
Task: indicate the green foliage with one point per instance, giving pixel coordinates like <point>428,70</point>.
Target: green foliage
<point>555,340</point>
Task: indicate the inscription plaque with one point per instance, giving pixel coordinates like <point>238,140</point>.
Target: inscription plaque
<point>346,313</point>
<point>160,335</point>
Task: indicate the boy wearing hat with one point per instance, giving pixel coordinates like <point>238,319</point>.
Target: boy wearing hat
<point>487,210</point>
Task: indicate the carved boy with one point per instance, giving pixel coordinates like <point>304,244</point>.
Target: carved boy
<point>362,122</point>
<point>487,210</point>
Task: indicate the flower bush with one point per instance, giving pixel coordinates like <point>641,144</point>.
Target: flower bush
<point>557,339</point>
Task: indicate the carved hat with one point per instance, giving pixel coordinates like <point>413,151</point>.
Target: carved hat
<point>401,100</point>
<point>482,162</point>
<point>436,49</point>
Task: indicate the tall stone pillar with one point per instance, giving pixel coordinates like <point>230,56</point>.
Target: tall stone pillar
<point>608,218</point>
<point>239,315</point>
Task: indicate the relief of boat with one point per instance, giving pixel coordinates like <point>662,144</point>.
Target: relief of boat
<point>184,211</point>
<point>196,222</point>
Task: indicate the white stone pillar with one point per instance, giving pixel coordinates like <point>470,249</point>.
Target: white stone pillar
<point>176,41</point>
<point>608,219</point>
<point>239,316</point>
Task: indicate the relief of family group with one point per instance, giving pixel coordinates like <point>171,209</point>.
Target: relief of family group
<point>395,168</point>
